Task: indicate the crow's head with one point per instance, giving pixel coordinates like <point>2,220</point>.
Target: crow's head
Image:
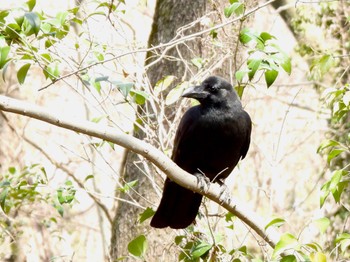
<point>214,91</point>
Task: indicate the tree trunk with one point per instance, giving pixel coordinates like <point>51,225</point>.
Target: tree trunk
<point>169,20</point>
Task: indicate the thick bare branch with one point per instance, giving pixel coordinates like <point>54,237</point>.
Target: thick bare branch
<point>154,155</point>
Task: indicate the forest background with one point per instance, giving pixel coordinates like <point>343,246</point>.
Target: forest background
<point>78,196</point>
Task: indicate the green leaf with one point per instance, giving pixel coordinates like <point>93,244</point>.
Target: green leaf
<point>287,241</point>
<point>277,222</point>
<point>287,65</point>
<point>270,77</point>
<point>3,196</point>
<point>98,119</point>
<point>124,88</point>
<point>3,14</point>
<point>46,28</point>
<point>322,224</point>
<point>327,143</point>
<point>315,246</point>
<point>59,209</point>
<point>324,193</point>
<point>336,177</point>
<point>325,63</point>
<point>289,258</point>
<point>4,51</point>
<point>12,170</point>
<point>62,17</point>
<point>200,249</point>
<point>12,31</point>
<point>138,246</point>
<point>176,93</point>
<point>240,74</point>
<point>34,21</point>
<point>52,71</point>
<point>88,178</point>
<point>340,189</point>
<point>149,212</point>
<point>127,186</point>
<point>333,154</point>
<point>266,36</point>
<point>31,4</point>
<point>99,56</point>
<point>198,62</point>
<point>253,65</point>
<point>346,98</point>
<point>246,35</point>
<point>240,89</point>
<point>344,240</point>
<point>139,97</point>
<point>163,84</point>
<point>235,7</point>
<point>318,257</point>
<point>178,239</point>
<point>22,73</point>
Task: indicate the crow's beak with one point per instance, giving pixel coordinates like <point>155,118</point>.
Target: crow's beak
<point>196,92</point>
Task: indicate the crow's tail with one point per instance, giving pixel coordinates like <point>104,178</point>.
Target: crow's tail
<point>178,207</point>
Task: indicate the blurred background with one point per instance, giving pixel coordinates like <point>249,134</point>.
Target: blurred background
<point>69,197</point>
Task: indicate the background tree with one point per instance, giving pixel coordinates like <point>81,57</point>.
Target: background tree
<point>100,75</point>
<point>167,68</point>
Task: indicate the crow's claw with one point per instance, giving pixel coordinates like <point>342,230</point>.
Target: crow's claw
<point>202,180</point>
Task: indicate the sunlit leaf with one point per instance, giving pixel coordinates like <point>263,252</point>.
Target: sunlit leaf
<point>149,212</point>
<point>139,97</point>
<point>287,65</point>
<point>138,246</point>
<point>346,98</point>
<point>34,21</point>
<point>240,74</point>
<point>176,93</point>
<point>52,71</point>
<point>128,186</point>
<point>289,258</point>
<point>266,36</point>
<point>3,195</point>
<point>344,240</point>
<point>62,17</point>
<point>240,89</point>
<point>318,257</point>
<point>277,222</point>
<point>333,154</point>
<point>31,4</point>
<point>270,77</point>
<point>4,51</point>
<point>324,193</point>
<point>178,239</point>
<point>22,73</point>
<point>287,241</point>
<point>88,177</point>
<point>3,15</point>
<point>163,84</point>
<point>327,143</point>
<point>253,65</point>
<point>336,177</point>
<point>235,7</point>
<point>200,249</point>
<point>322,224</point>
<point>124,88</point>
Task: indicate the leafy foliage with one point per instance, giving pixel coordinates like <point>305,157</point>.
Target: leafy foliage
<point>264,56</point>
<point>329,70</point>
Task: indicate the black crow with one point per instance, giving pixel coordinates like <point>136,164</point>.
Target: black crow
<point>210,140</point>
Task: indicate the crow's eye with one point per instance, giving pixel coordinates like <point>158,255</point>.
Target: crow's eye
<point>213,88</point>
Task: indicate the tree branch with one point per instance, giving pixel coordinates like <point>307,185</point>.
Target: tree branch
<point>174,172</point>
